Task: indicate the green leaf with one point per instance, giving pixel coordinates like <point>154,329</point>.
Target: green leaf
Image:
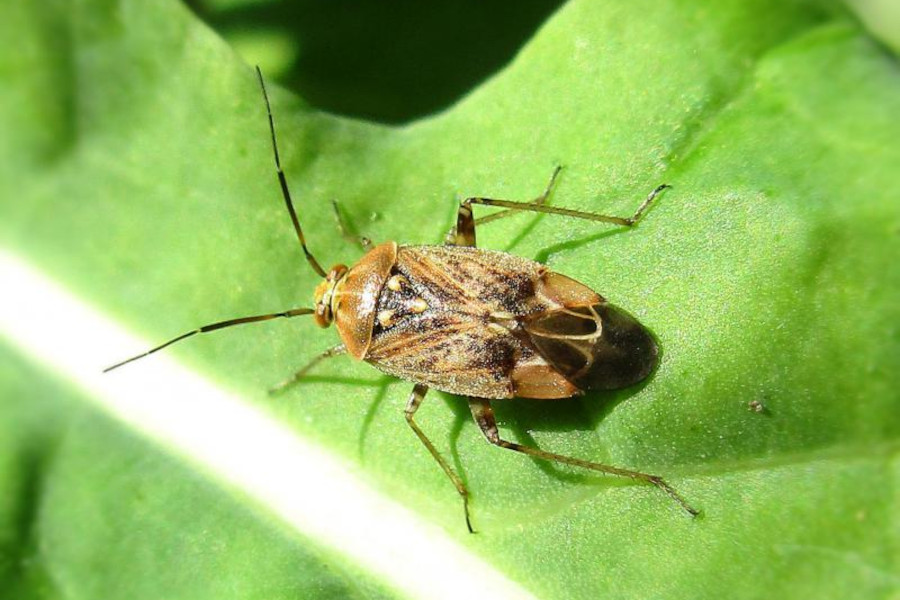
<point>91,510</point>
<point>137,173</point>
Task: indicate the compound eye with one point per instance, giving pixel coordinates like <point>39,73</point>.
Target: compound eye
<point>323,314</point>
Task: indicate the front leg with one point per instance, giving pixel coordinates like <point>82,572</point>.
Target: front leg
<point>362,240</point>
<point>334,351</point>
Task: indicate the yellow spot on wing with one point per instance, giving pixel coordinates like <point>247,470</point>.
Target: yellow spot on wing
<point>396,282</point>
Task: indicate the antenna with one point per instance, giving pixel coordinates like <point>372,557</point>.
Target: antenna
<point>296,312</point>
<point>284,186</point>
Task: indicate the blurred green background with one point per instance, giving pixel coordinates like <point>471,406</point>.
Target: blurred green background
<point>136,173</point>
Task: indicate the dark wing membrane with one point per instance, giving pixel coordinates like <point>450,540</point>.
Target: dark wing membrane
<point>597,347</point>
<point>449,352</point>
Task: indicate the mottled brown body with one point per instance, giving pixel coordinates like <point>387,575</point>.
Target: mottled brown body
<point>478,323</point>
<point>483,323</point>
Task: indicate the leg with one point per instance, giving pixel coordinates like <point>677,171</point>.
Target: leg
<point>462,216</point>
<point>465,230</point>
<point>506,212</point>
<point>484,416</point>
<point>335,351</point>
<point>362,240</point>
<point>568,212</point>
<point>415,399</point>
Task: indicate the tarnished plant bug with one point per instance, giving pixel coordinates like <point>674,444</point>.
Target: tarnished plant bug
<point>478,323</point>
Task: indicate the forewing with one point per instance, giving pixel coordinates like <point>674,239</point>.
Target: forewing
<point>471,280</point>
<point>449,352</point>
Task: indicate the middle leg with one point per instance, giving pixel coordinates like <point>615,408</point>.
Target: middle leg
<point>415,400</point>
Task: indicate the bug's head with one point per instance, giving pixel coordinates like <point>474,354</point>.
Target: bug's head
<point>325,294</point>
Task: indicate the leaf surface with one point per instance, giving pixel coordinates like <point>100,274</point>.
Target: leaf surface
<point>137,173</point>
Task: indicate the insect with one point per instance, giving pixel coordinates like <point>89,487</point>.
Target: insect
<point>757,407</point>
<point>477,323</point>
